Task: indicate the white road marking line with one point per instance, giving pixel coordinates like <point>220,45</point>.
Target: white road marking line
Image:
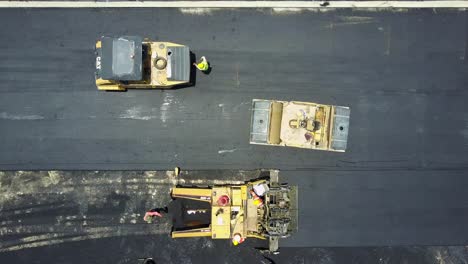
<point>8,116</point>
<point>235,4</point>
<point>226,151</point>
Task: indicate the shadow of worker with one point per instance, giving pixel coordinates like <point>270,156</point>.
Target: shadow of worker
<point>207,72</point>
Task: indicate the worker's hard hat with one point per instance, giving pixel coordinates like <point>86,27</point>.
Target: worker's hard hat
<point>259,189</point>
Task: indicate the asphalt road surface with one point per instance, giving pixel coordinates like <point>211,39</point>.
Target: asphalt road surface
<point>403,74</point>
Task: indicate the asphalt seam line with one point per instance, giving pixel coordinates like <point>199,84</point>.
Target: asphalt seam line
<point>236,4</point>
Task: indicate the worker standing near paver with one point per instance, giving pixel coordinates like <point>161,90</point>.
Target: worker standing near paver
<point>237,239</point>
<point>182,213</point>
<point>148,261</point>
<point>154,212</point>
<point>202,64</point>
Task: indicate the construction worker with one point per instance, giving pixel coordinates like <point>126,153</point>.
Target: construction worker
<point>152,213</point>
<point>237,239</point>
<point>202,64</point>
<point>147,261</point>
<point>256,199</point>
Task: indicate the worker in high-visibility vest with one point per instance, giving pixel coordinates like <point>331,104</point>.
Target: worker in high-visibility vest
<point>202,65</point>
<point>237,239</point>
<point>256,199</point>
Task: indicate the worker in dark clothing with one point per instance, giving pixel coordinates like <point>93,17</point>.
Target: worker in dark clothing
<point>148,261</point>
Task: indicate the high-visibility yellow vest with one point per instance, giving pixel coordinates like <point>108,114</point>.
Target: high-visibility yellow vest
<point>203,66</point>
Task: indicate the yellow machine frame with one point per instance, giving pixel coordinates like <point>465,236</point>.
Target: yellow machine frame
<point>222,225</point>
<point>299,124</point>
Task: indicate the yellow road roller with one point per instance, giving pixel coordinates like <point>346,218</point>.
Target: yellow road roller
<point>129,62</point>
<point>299,124</point>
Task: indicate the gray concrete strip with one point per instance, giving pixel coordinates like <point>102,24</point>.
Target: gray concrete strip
<point>235,4</point>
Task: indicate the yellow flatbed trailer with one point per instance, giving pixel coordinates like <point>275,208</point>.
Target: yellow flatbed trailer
<point>241,210</point>
<point>299,124</point>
